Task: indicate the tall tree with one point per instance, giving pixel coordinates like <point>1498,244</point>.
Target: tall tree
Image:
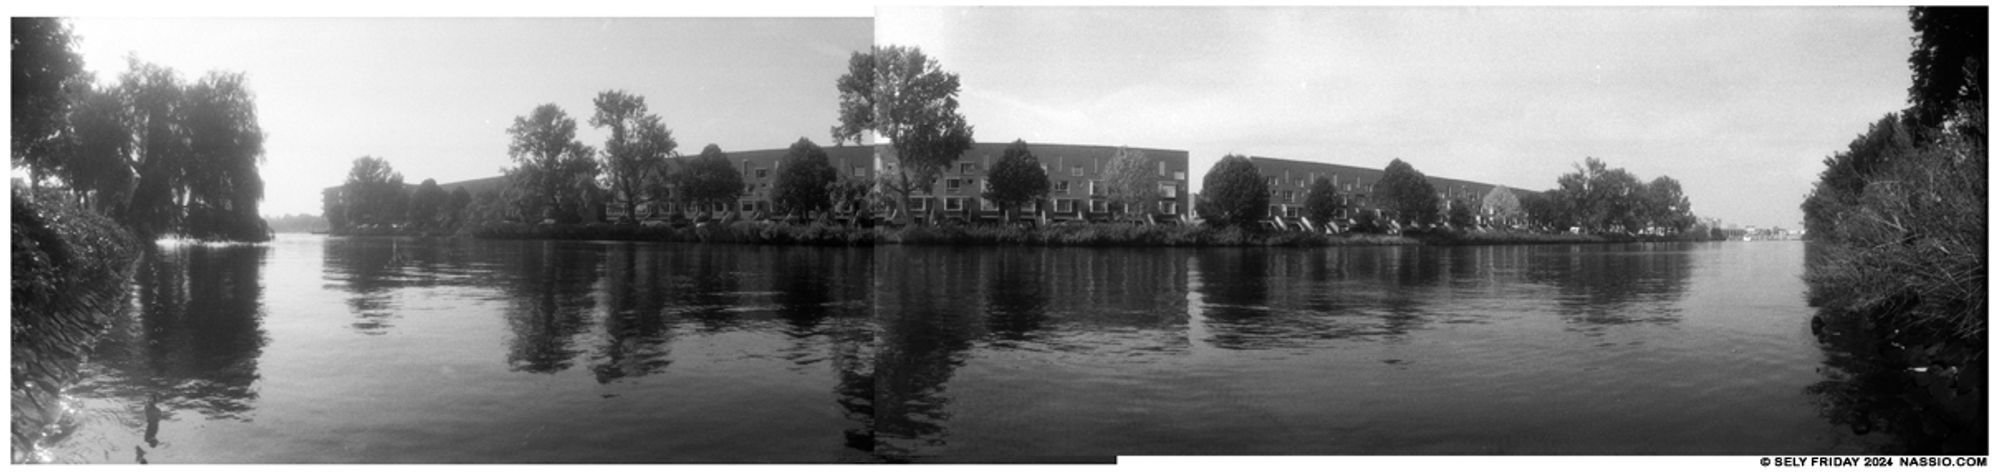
<point>1016,179</point>
<point>709,179</point>
<point>639,143</point>
<point>372,194</point>
<point>1543,209</point>
<point>904,97</point>
<point>427,204</point>
<point>225,144</point>
<point>1233,193</point>
<point>552,169</point>
<point>1501,205</point>
<point>1666,206</point>
<point>155,96</point>
<point>1407,192</point>
<point>100,165</point>
<point>1322,201</point>
<point>1948,65</point>
<point>1130,180</point>
<point>46,72</point>
<point>457,207</point>
<point>803,180</point>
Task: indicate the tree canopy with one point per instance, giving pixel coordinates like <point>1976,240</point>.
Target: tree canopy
<point>1017,178</point>
<point>804,180</point>
<point>906,97</point>
<point>1233,193</point>
<point>1129,179</point>
<point>552,168</point>
<point>46,72</point>
<point>1405,191</point>
<point>1948,64</point>
<point>1322,201</point>
<point>708,179</point>
<point>372,195</point>
<point>639,144</point>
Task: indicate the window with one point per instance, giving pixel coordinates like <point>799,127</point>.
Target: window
<point>746,206</point>
<point>1162,166</point>
<point>1076,170</point>
<point>1271,181</point>
<point>954,204</point>
<point>762,172</point>
<point>1272,211</point>
<point>986,204</point>
<point>1180,175</point>
<point>967,168</point>
<point>1061,187</point>
<point>1291,212</point>
<point>1287,196</point>
<point>1167,190</point>
<point>1097,187</point>
<point>860,172</point>
<point>1302,183</point>
<point>951,185</point>
<point>1099,206</point>
<point>1170,208</point>
<point>1065,205</point>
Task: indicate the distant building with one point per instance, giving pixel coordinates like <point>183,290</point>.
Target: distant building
<point>1290,180</point>
<point>1077,186</point>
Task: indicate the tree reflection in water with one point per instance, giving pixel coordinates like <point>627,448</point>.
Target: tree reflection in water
<point>637,332</point>
<point>191,341</point>
<point>1601,286</point>
<point>551,292</point>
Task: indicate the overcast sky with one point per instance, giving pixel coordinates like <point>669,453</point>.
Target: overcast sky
<point>1739,104</point>
<point>435,96</point>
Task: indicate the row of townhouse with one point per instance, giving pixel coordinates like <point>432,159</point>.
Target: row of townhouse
<point>1291,180</point>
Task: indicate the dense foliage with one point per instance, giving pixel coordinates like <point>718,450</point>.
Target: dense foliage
<point>1016,179</point>
<point>904,96</point>
<point>708,179</point>
<point>1233,193</point>
<point>1406,194</point>
<point>804,180</point>
<point>1900,224</point>
<point>554,173</point>
<point>637,148</point>
<point>1322,201</point>
<point>1129,179</point>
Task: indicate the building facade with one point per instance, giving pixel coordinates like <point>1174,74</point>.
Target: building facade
<point>1077,182</point>
<point>1290,180</point>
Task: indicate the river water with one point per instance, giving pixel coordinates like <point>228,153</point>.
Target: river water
<point>373,350</point>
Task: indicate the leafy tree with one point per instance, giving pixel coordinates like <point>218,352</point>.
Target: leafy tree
<point>1847,173</point>
<point>427,204</point>
<point>905,97</point>
<point>803,179</point>
<point>1948,66</point>
<point>1461,214</point>
<point>373,193</point>
<point>709,179</point>
<point>46,72</point>
<point>154,95</point>
<point>1542,209</point>
<point>455,207</point>
<point>1501,205</point>
<point>1129,178</point>
<point>1322,201</point>
<point>1408,193</point>
<point>1017,179</point>
<point>100,165</point>
<point>851,193</point>
<point>1233,193</point>
<point>226,145</point>
<point>553,169</point>
<point>1666,207</point>
<point>638,145</point>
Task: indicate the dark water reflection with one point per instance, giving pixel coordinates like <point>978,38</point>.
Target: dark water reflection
<point>385,350</point>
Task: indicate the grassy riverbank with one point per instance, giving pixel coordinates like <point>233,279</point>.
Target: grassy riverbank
<point>70,267</point>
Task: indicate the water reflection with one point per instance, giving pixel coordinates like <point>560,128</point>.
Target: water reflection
<point>550,290</point>
<point>191,341</point>
<point>925,329</point>
<point>636,329</point>
<point>1609,285</point>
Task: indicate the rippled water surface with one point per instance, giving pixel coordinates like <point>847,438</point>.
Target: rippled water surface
<point>311,349</point>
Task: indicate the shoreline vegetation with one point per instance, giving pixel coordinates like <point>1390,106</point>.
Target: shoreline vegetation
<point>71,268</point>
<point>1091,234</point>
